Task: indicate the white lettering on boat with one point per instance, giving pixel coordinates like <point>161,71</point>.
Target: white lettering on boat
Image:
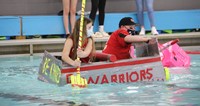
<point>122,77</point>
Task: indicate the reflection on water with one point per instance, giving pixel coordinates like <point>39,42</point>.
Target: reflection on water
<point>19,86</point>
<point>17,97</point>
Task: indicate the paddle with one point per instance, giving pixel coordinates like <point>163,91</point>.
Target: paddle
<point>170,44</point>
<point>77,80</point>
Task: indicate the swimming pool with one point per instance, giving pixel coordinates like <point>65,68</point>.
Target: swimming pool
<point>20,87</point>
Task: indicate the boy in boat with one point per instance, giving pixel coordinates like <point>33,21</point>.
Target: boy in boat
<point>71,51</point>
<point>121,40</point>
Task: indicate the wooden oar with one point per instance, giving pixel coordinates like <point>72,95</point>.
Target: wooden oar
<point>77,80</point>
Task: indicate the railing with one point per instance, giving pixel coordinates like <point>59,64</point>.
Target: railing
<point>52,25</point>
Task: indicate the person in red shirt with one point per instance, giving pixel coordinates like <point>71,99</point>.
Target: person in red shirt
<point>121,40</point>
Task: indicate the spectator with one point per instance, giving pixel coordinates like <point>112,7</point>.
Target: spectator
<point>69,8</point>
<point>140,9</point>
<point>98,5</point>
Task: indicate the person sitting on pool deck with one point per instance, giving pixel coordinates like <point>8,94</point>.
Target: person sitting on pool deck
<point>71,50</point>
<point>121,40</point>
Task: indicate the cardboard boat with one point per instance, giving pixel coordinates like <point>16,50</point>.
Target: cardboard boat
<point>173,55</point>
<point>142,68</point>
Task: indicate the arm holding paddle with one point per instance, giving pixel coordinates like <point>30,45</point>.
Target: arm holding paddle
<point>65,54</point>
<point>82,53</point>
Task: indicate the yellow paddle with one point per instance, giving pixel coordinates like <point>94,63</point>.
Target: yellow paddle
<point>76,80</point>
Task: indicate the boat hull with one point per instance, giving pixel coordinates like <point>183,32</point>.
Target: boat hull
<point>53,70</point>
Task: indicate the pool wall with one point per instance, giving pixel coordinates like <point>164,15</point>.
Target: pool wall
<point>31,46</point>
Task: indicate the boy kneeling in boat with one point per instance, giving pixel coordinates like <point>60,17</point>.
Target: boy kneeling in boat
<point>71,51</point>
<point>121,40</point>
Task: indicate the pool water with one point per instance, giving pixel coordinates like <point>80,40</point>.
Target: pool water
<point>20,87</point>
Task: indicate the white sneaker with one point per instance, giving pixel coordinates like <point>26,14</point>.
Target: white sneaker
<point>142,31</point>
<point>154,31</point>
<point>98,35</point>
<point>105,34</point>
<point>101,30</point>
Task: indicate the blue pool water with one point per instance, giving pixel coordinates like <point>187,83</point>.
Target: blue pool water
<point>20,87</point>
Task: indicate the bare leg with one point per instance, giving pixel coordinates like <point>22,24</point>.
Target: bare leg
<point>73,13</point>
<point>66,15</point>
